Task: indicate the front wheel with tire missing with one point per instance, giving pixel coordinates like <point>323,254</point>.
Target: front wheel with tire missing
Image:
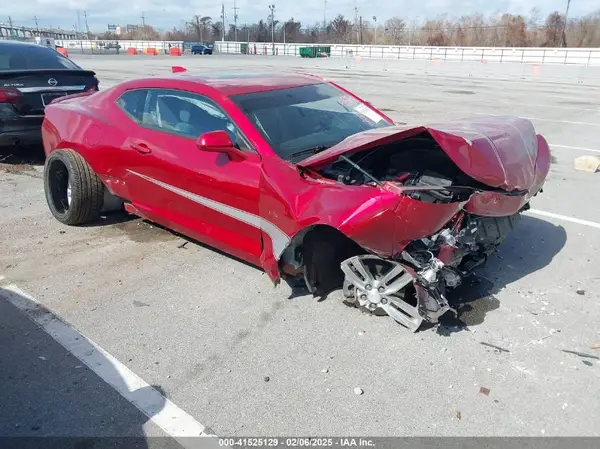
<point>74,193</point>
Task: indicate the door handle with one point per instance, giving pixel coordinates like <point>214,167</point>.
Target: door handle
<point>141,148</point>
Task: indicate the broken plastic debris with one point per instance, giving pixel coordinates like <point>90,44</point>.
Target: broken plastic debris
<point>589,164</point>
<point>324,370</point>
<point>458,415</point>
<point>580,291</point>
<point>42,358</point>
<point>358,391</point>
<point>485,391</point>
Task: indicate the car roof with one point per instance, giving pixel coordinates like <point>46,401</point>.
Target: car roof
<point>18,44</point>
<point>245,83</point>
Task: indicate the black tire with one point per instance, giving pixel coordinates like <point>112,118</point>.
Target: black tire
<point>87,190</point>
<point>323,252</point>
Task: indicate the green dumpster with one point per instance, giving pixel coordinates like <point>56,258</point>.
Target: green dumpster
<point>307,52</point>
<point>323,51</point>
<point>244,49</point>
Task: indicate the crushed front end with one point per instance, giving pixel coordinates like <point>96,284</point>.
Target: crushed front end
<point>458,199</point>
<point>411,287</point>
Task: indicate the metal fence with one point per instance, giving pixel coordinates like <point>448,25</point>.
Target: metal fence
<point>564,56</point>
<point>544,56</point>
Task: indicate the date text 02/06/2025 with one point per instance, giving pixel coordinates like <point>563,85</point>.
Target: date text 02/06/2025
<point>295,442</point>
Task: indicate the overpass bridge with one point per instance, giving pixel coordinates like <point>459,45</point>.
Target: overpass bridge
<point>26,33</point>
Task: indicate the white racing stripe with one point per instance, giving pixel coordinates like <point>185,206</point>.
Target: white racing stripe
<point>564,218</point>
<point>161,411</point>
<point>278,238</point>
<point>569,147</point>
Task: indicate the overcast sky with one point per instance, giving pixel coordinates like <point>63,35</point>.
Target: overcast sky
<point>165,14</point>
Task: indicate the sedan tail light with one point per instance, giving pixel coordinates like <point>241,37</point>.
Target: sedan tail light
<point>9,95</point>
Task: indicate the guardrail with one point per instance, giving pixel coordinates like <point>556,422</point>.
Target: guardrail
<point>563,56</point>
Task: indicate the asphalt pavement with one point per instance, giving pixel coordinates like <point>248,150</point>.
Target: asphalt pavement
<point>245,358</point>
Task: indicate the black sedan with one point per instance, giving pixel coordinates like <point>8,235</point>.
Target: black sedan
<point>31,76</point>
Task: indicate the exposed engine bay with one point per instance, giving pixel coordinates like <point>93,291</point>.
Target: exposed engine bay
<point>417,162</point>
<point>412,286</point>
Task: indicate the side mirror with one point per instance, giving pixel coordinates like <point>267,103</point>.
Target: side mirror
<point>219,142</point>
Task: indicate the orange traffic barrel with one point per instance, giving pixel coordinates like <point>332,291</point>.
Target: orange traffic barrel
<point>63,51</point>
<point>131,51</point>
<point>175,51</point>
<point>151,51</point>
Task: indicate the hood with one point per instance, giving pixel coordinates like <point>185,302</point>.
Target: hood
<point>499,151</point>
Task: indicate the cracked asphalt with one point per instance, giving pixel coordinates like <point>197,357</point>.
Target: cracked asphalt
<point>207,329</point>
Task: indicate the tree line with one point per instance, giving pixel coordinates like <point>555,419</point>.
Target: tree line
<point>498,30</point>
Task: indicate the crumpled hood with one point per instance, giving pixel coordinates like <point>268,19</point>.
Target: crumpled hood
<point>499,151</point>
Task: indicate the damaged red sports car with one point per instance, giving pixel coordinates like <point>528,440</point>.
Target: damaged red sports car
<point>301,177</point>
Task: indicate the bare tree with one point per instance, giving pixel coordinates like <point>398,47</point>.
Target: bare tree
<point>395,29</point>
<point>554,29</point>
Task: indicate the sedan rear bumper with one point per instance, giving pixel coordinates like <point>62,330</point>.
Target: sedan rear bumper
<point>21,131</point>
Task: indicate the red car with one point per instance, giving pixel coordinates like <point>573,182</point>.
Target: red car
<point>297,175</point>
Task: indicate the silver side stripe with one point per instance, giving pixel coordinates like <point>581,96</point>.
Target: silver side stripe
<point>279,239</point>
<point>28,90</point>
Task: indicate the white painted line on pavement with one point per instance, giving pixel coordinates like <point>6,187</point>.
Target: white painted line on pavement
<point>161,411</point>
<point>541,119</point>
<point>564,217</point>
<point>573,148</point>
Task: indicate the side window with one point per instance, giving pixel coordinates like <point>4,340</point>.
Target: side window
<point>132,103</point>
<point>187,114</point>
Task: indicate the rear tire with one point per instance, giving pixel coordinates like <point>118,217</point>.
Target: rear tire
<point>74,193</point>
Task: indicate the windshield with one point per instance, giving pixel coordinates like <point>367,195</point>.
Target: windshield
<point>301,121</point>
<point>32,57</point>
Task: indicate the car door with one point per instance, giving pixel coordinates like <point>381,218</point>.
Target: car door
<point>201,194</point>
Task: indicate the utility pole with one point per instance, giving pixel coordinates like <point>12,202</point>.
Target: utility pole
<point>356,22</point>
<point>36,23</point>
<point>78,21</point>
<point>222,22</point>
<point>235,17</point>
<point>272,8</point>
<point>360,31</point>
<point>198,28</point>
<point>375,20</point>
<point>143,20</point>
<point>564,35</point>
<point>325,17</point>
<point>87,27</point>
